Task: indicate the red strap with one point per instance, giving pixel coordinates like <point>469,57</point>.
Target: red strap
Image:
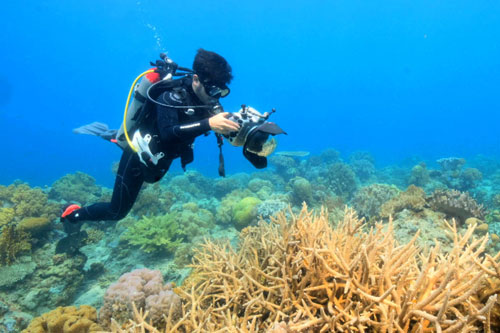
<point>70,209</point>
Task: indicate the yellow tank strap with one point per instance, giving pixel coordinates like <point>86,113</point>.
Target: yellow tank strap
<point>126,109</point>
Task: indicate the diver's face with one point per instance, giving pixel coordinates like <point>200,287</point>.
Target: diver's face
<point>200,92</point>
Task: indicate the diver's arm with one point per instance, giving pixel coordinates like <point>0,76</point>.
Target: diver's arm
<point>173,132</point>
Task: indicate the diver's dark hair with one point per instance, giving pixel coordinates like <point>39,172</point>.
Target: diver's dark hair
<point>212,67</point>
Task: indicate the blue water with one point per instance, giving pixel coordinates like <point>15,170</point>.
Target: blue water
<point>395,78</point>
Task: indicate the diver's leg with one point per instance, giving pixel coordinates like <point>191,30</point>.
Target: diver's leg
<point>128,183</point>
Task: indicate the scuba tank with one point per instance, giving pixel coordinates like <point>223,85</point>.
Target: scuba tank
<point>135,106</point>
<point>165,69</point>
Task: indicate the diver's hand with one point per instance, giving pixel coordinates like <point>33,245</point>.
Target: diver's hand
<point>220,124</point>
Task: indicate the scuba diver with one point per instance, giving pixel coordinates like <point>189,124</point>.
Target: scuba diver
<point>161,124</point>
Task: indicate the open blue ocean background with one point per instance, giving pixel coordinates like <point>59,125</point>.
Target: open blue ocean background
<point>399,79</point>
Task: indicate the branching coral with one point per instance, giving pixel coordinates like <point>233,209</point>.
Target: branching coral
<point>12,242</point>
<point>24,201</point>
<point>157,233</point>
<point>322,279</point>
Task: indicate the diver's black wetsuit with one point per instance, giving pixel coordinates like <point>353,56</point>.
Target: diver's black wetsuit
<point>173,131</point>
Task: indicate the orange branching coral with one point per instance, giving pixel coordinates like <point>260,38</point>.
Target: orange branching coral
<point>316,278</point>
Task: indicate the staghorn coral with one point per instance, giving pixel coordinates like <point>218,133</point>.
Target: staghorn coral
<point>141,288</point>
<point>316,278</point>
<point>67,319</point>
<point>456,204</point>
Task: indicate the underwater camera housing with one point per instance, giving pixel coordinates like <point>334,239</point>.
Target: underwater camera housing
<point>254,134</point>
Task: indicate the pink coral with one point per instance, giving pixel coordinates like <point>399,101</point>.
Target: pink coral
<point>145,289</point>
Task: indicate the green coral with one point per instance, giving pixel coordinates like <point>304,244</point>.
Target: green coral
<point>34,225</point>
<point>12,242</point>
<point>156,234</point>
<point>25,201</point>
<point>7,215</point>
<point>78,187</point>
<point>245,211</point>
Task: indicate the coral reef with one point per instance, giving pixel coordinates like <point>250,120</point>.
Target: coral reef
<point>67,319</point>
<point>286,166</point>
<point>245,211</point>
<point>419,175</point>
<point>144,289</point>
<point>152,200</point>
<point>363,165</point>
<point>341,180</point>
<point>301,190</point>
<point>25,202</point>
<point>34,225</point>
<point>413,199</point>
<point>456,204</point>
<point>13,242</point>
<point>452,164</point>
<point>78,187</point>
<point>156,234</point>
<point>368,200</point>
<point>310,277</point>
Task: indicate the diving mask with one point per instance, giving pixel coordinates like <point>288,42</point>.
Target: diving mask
<point>215,91</point>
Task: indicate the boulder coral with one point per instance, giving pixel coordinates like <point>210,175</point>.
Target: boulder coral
<point>245,212</point>
<point>67,319</point>
<point>139,289</point>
